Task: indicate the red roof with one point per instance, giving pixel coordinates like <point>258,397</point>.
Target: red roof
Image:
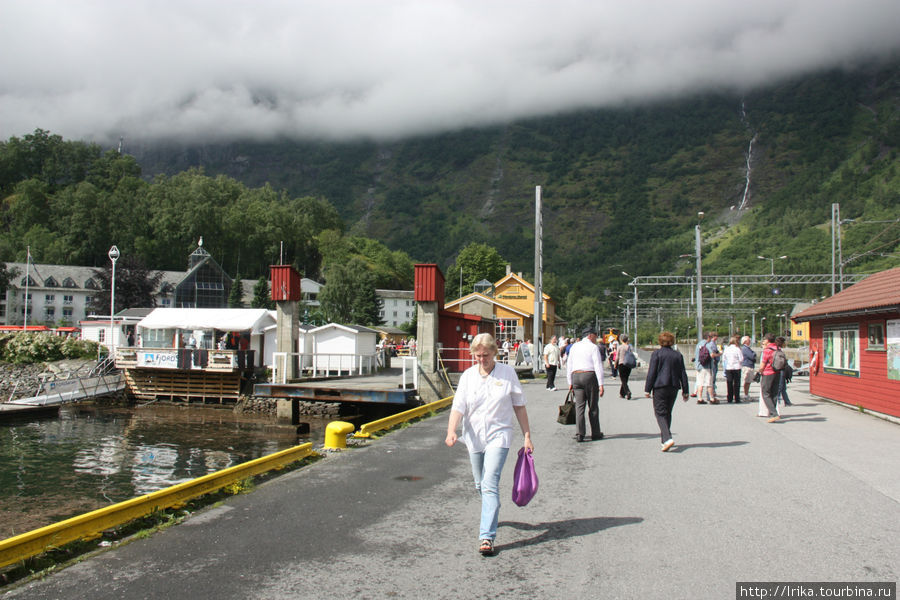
<point>876,293</point>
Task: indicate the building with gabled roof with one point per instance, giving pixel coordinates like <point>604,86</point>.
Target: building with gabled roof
<point>511,306</point>
<point>205,285</point>
<point>855,344</point>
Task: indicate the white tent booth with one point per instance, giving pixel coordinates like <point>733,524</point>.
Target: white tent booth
<point>343,348</point>
<point>234,330</point>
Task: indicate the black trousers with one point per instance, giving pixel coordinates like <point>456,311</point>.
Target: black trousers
<point>587,395</point>
<point>551,376</point>
<point>733,384</point>
<point>624,374</point>
<point>663,402</point>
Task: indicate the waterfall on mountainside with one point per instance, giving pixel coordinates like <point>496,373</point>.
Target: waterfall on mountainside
<point>746,195</point>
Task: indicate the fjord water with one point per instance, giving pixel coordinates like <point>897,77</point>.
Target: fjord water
<point>92,456</point>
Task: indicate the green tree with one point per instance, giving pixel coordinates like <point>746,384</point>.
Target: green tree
<point>136,286</point>
<point>6,275</point>
<point>582,313</point>
<point>349,294</point>
<point>236,295</point>
<point>261,296</point>
<point>478,261</point>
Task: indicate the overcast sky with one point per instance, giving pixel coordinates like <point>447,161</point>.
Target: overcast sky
<point>201,70</point>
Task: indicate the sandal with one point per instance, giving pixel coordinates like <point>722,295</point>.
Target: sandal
<point>487,547</point>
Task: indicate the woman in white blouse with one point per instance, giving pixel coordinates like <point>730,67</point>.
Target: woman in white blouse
<point>489,395</point>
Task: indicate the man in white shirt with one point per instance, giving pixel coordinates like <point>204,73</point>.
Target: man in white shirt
<point>551,363</point>
<point>584,374</point>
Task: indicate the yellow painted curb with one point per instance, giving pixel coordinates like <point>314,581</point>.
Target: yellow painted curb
<point>386,423</point>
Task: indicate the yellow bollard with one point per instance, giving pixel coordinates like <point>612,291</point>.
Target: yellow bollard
<point>336,434</point>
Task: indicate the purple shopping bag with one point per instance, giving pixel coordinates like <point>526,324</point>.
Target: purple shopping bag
<point>525,479</point>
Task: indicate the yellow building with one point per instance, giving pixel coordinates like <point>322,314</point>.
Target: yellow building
<point>511,308</point>
<point>800,331</point>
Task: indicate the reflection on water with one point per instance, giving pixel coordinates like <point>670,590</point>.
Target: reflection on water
<point>89,457</point>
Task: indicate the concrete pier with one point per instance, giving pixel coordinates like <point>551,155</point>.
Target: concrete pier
<point>815,497</point>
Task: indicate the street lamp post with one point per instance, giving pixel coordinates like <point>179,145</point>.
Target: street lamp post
<point>772,262</point>
<point>634,333</point>
<point>113,257</point>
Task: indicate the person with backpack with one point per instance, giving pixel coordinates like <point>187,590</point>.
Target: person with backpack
<point>785,375</point>
<point>703,360</point>
<point>769,371</point>
<point>625,362</point>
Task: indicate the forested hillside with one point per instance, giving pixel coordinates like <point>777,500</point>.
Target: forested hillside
<point>622,189</point>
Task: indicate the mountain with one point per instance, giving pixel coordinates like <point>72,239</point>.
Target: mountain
<point>621,188</point>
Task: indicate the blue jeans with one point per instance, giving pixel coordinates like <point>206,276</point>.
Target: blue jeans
<point>782,390</point>
<point>486,468</point>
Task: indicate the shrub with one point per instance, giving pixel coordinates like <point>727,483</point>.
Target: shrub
<point>23,348</point>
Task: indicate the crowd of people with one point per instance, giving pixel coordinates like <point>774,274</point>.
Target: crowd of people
<point>489,399</point>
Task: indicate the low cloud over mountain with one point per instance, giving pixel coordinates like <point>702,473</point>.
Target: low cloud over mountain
<point>208,70</point>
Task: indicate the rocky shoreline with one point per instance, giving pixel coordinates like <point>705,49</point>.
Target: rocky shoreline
<point>22,381</point>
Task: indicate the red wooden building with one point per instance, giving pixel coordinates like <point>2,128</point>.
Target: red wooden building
<point>856,334</point>
<point>455,330</point>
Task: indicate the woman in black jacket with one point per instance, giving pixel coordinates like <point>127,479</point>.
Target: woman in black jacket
<point>665,376</point>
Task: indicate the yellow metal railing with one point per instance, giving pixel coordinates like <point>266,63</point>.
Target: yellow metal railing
<point>407,415</point>
<point>90,524</point>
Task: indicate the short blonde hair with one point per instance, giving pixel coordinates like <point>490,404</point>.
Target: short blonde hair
<point>485,341</point>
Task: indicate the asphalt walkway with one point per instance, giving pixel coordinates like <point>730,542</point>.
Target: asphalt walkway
<point>815,497</point>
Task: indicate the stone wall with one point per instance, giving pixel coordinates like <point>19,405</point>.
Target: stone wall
<point>262,405</point>
<point>22,381</point>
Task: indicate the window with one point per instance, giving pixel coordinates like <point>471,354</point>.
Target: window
<point>28,281</point>
<point>50,282</point>
<point>90,284</point>
<point>49,298</point>
<point>68,299</point>
<point>506,330</point>
<point>876,336</point>
<point>165,302</point>
<point>101,335</point>
<point>68,282</point>
<point>157,338</point>
<point>24,298</point>
<point>67,313</point>
<point>841,350</point>
<point>49,313</point>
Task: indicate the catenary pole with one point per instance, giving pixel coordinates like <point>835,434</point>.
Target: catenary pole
<point>699,283</point>
<point>537,335</point>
